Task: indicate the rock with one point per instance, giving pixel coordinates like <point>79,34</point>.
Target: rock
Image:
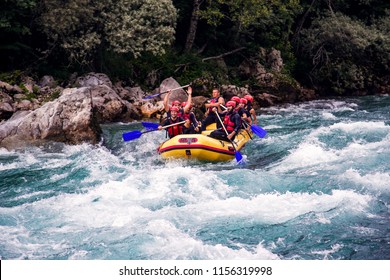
<point>275,61</point>
<point>307,94</point>
<point>47,81</point>
<point>6,110</point>
<point>266,99</point>
<point>6,87</point>
<point>68,119</point>
<point>228,91</point>
<point>93,79</point>
<point>150,110</point>
<point>110,107</point>
<point>24,105</point>
<point>131,94</point>
<point>178,94</point>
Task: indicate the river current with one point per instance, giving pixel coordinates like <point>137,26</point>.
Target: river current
<point>316,187</point>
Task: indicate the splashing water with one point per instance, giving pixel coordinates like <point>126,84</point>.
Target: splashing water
<point>317,187</point>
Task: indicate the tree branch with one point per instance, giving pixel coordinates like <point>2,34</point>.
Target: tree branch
<point>222,55</point>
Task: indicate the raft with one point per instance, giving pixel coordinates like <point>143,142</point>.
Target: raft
<point>202,147</point>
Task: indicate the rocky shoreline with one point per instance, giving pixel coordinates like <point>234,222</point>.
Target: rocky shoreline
<point>37,112</point>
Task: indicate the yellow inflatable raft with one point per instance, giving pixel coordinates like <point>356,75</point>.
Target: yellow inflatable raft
<point>202,147</point>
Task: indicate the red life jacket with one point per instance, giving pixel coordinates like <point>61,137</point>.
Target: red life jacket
<point>213,100</point>
<point>229,125</point>
<point>186,116</point>
<point>174,130</point>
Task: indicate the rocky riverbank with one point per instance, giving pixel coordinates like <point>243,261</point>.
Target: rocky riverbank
<point>35,112</point>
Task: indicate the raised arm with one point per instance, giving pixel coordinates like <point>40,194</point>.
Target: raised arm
<point>165,102</point>
<point>189,100</point>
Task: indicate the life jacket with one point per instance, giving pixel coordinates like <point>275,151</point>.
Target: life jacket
<point>213,100</point>
<point>176,129</point>
<point>186,116</point>
<point>229,125</point>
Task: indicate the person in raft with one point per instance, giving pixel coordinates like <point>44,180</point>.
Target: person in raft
<point>214,102</point>
<point>176,103</point>
<point>189,115</point>
<point>249,107</point>
<point>174,118</point>
<point>231,121</point>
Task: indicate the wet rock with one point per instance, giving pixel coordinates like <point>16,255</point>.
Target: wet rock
<point>69,119</point>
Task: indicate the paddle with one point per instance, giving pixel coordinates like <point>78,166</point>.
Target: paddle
<point>261,132</point>
<point>150,125</point>
<point>236,153</point>
<point>158,94</point>
<point>132,135</point>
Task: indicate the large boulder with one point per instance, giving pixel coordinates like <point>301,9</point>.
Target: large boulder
<point>69,119</point>
<point>177,92</point>
<point>93,79</point>
<point>6,106</point>
<point>110,107</point>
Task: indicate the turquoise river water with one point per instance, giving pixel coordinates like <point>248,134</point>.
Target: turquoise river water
<point>316,187</point>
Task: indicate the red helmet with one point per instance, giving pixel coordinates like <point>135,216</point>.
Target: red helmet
<point>235,99</point>
<point>176,102</point>
<point>183,104</point>
<point>243,100</point>
<point>249,97</point>
<point>174,109</point>
<point>231,103</point>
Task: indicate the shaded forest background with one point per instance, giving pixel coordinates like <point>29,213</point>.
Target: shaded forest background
<point>332,46</point>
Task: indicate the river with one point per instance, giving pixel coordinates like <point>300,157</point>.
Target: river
<point>316,187</point>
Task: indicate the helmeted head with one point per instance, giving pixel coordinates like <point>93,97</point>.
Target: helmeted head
<point>174,110</point>
<point>249,98</point>
<point>243,101</point>
<point>184,103</point>
<point>235,99</point>
<point>231,104</point>
<point>176,103</point>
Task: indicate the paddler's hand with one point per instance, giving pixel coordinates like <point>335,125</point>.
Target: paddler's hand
<point>159,127</point>
<point>189,90</point>
<point>231,135</point>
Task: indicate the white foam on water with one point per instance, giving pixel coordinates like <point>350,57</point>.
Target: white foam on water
<point>326,254</point>
<point>172,243</point>
<point>312,152</point>
<point>270,208</point>
<point>376,181</point>
<point>328,116</point>
<point>184,197</point>
<point>360,126</point>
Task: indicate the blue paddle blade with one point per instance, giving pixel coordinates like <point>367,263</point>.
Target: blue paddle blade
<point>150,125</point>
<point>128,136</point>
<point>238,157</point>
<point>151,96</point>
<point>258,131</point>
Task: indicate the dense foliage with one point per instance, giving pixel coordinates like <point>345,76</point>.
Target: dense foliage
<point>335,46</point>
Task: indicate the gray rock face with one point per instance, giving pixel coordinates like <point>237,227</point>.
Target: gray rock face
<point>68,119</point>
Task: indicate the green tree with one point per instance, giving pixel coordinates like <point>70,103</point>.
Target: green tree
<point>83,28</point>
<point>249,16</point>
<point>347,56</point>
<point>16,17</point>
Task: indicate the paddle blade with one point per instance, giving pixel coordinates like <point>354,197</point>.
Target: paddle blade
<point>150,125</point>
<point>238,157</point>
<point>151,96</point>
<point>258,131</point>
<point>128,136</point>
